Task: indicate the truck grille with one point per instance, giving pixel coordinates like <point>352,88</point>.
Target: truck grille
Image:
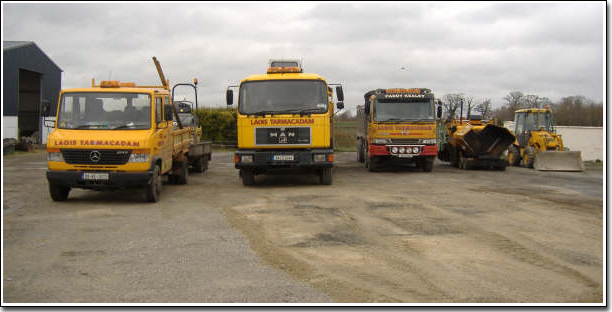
<point>88,157</point>
<point>282,136</point>
<point>404,141</point>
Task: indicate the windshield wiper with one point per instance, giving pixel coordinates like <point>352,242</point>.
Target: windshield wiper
<point>88,126</point>
<point>276,112</point>
<point>128,126</point>
<point>393,119</point>
<point>309,111</point>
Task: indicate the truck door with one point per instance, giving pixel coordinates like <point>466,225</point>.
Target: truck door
<point>163,135</point>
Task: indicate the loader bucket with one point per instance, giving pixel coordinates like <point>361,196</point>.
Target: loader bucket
<point>558,161</point>
<point>491,141</point>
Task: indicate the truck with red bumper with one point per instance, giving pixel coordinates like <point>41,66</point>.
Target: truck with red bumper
<point>397,126</point>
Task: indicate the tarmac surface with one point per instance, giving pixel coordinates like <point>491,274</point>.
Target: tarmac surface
<point>398,235</point>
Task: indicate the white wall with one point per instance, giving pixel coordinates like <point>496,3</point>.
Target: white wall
<point>588,140</point>
<point>9,127</point>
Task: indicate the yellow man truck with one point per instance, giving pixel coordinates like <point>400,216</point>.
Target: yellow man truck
<point>285,122</point>
<point>119,136</point>
<point>397,126</point>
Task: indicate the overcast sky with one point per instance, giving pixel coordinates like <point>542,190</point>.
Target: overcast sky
<point>484,50</point>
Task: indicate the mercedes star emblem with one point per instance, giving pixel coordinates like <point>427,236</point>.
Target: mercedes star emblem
<point>94,156</point>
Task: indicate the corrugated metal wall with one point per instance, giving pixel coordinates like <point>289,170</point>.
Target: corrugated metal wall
<point>32,58</point>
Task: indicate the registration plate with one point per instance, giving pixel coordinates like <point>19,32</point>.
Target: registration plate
<point>95,176</point>
<point>283,157</point>
<point>404,155</point>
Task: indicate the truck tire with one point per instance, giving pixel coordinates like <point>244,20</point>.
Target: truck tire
<point>426,164</point>
<point>501,166</point>
<point>514,157</point>
<point>248,177</point>
<point>325,176</point>
<point>360,157</point>
<point>181,178</point>
<point>154,188</point>
<point>58,192</point>
<point>201,164</point>
<point>371,164</point>
<point>455,158</point>
<point>528,156</point>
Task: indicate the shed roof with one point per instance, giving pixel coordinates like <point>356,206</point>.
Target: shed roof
<point>10,45</point>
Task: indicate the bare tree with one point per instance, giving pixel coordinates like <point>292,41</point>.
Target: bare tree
<point>514,100</point>
<point>484,108</point>
<point>451,102</point>
<point>468,100</point>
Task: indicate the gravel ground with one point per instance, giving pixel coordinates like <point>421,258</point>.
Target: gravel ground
<point>398,235</point>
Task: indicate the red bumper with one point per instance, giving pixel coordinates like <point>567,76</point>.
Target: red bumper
<point>383,150</point>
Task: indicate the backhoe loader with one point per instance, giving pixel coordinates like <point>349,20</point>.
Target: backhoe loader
<point>538,145</point>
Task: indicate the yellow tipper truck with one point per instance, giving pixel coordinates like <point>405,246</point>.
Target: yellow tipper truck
<point>118,136</point>
<point>397,125</point>
<point>285,122</point>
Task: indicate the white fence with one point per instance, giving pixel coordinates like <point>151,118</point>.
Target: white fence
<point>588,140</point>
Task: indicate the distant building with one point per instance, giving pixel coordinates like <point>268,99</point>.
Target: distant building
<point>30,79</point>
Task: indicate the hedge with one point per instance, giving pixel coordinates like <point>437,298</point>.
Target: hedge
<point>218,124</point>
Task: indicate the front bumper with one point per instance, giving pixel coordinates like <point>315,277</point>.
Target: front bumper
<point>302,159</point>
<point>384,150</point>
<point>116,180</point>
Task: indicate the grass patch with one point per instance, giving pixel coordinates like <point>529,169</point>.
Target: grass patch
<point>345,136</point>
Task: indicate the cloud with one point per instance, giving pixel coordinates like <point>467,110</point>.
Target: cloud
<point>484,50</point>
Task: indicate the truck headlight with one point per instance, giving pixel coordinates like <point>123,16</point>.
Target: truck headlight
<point>428,141</point>
<point>381,141</point>
<point>319,157</point>
<point>55,156</point>
<point>394,150</point>
<point>246,158</point>
<point>138,157</point>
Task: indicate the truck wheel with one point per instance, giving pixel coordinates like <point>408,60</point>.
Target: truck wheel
<point>58,192</point>
<point>154,188</point>
<point>427,164</point>
<point>198,165</point>
<point>248,177</point>
<point>325,176</point>
<point>181,178</point>
<point>455,158</point>
<point>501,166</point>
<point>514,157</point>
<point>360,157</point>
<point>372,164</point>
<point>528,156</point>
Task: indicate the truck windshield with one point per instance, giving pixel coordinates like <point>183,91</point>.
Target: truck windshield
<point>105,110</point>
<point>404,111</point>
<point>538,121</point>
<point>283,96</point>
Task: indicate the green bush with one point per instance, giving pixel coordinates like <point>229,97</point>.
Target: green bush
<point>218,124</point>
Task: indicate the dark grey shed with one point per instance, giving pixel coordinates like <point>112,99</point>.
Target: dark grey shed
<point>30,78</point>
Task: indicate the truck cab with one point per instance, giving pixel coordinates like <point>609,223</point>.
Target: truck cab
<point>120,136</point>
<point>397,126</point>
<point>285,123</point>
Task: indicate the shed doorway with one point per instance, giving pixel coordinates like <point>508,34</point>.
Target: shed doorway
<point>28,117</point>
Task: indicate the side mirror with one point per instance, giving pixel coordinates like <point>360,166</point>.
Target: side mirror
<point>168,116</point>
<point>46,107</point>
<point>340,105</point>
<point>229,97</point>
<point>50,123</point>
<point>439,111</point>
<point>366,108</point>
<point>339,94</point>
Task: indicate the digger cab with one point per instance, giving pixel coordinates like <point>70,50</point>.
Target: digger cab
<point>534,119</point>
